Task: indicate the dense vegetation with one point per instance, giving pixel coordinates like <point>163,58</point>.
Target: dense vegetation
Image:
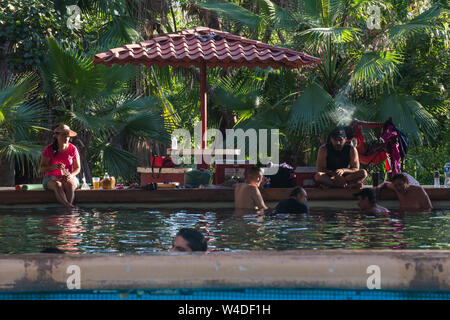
<point>398,70</point>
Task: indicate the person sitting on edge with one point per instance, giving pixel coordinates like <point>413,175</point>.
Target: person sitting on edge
<point>61,163</point>
<point>189,240</point>
<point>295,204</point>
<point>338,163</point>
<point>411,197</point>
<point>367,202</point>
<point>247,194</point>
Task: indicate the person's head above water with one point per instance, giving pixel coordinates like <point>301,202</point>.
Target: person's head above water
<point>338,137</point>
<point>253,176</point>
<point>299,194</point>
<point>366,198</point>
<point>400,182</point>
<point>189,240</point>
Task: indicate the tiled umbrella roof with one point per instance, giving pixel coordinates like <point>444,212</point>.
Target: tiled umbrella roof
<point>193,47</point>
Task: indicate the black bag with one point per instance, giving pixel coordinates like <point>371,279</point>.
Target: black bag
<point>282,179</point>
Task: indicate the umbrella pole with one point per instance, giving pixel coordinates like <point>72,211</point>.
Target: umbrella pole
<point>203,106</point>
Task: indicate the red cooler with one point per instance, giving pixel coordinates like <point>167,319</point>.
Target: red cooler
<point>305,176</point>
<point>236,168</point>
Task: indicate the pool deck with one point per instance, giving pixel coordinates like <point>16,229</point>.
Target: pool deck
<point>9,196</point>
<point>405,270</point>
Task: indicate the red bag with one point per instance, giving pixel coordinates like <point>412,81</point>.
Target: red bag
<point>160,162</point>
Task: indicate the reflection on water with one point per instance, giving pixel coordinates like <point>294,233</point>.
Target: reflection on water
<point>143,231</point>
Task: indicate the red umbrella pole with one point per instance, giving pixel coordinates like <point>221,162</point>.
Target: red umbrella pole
<point>203,102</point>
<point>203,107</point>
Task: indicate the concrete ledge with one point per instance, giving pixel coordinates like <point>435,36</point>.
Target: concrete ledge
<point>9,196</point>
<point>341,269</point>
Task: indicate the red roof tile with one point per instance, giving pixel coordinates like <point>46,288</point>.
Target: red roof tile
<point>204,45</point>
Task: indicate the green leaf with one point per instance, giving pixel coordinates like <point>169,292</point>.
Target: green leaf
<point>311,111</point>
<point>408,115</point>
<point>233,12</point>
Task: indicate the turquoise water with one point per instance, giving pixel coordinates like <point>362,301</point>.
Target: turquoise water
<point>139,231</point>
<point>229,294</point>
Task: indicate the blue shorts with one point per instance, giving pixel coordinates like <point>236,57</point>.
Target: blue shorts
<point>48,178</point>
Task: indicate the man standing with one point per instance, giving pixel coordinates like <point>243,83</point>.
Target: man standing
<point>247,194</point>
<point>338,163</point>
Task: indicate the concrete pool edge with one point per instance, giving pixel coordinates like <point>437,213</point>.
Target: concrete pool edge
<point>404,270</point>
<point>314,204</point>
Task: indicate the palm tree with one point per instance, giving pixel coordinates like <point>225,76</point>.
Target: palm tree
<point>21,116</point>
<point>359,66</point>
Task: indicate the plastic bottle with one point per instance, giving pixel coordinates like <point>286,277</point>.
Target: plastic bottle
<point>447,175</point>
<point>437,182</point>
<point>85,186</point>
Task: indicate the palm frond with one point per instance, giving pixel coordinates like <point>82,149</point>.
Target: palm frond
<point>375,68</point>
<point>234,13</point>
<point>73,74</point>
<point>423,23</point>
<point>120,31</point>
<point>311,112</point>
<point>278,17</point>
<point>22,152</point>
<point>408,115</point>
<point>16,90</point>
<point>118,162</point>
<point>318,36</point>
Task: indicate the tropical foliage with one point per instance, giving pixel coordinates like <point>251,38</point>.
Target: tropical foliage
<point>372,69</point>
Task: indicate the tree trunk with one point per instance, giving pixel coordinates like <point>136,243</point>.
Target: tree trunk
<point>7,173</point>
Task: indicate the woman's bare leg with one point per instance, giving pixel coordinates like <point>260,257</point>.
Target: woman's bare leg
<point>57,187</point>
<point>69,189</point>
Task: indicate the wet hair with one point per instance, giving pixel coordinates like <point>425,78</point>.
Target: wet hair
<point>253,172</point>
<point>194,238</point>
<point>296,191</point>
<point>368,193</point>
<point>400,176</point>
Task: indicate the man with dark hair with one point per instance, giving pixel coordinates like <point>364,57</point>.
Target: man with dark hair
<point>189,240</point>
<point>296,202</point>
<point>411,197</point>
<point>338,163</point>
<point>247,194</point>
<point>367,202</point>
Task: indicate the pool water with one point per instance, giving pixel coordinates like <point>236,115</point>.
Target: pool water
<point>228,294</point>
<point>139,231</point>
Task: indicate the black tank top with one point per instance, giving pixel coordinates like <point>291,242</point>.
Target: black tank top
<point>338,159</point>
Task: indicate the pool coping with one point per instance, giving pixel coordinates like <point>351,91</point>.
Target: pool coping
<point>8,196</point>
<point>404,270</point>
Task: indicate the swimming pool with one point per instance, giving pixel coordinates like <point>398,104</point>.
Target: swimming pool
<point>139,231</point>
<point>227,294</point>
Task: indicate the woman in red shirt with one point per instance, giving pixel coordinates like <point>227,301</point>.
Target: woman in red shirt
<point>61,163</point>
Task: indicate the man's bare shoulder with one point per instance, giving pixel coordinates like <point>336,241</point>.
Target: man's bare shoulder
<point>417,189</point>
<point>246,186</point>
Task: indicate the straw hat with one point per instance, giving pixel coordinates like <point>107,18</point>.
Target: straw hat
<point>64,128</point>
